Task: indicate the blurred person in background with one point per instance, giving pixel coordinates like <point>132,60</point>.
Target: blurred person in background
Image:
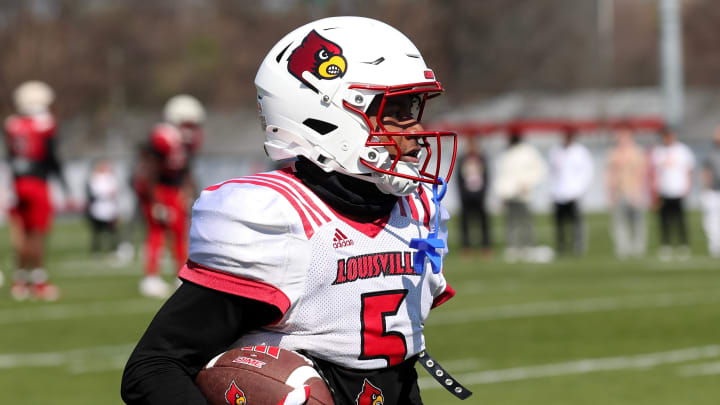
<point>140,184</point>
<point>473,177</point>
<point>103,206</point>
<point>627,189</point>
<point>571,173</point>
<point>30,136</point>
<point>673,165</point>
<point>520,169</point>
<point>710,198</point>
<point>167,188</point>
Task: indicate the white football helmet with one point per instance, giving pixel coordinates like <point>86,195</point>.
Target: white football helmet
<point>33,97</point>
<point>314,90</point>
<point>184,109</point>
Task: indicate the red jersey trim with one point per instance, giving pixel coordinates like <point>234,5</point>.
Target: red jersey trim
<point>426,206</point>
<point>291,181</point>
<point>296,184</point>
<point>443,297</point>
<point>413,209</point>
<point>235,285</point>
<point>307,226</point>
<point>287,188</point>
<point>371,229</point>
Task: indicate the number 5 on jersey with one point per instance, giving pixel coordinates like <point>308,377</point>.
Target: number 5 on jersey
<point>377,341</point>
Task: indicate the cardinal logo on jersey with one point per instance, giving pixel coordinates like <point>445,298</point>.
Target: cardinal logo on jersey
<point>318,56</point>
<point>234,395</point>
<point>370,395</point>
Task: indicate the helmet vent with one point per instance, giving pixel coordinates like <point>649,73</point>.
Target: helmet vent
<point>277,59</point>
<point>376,61</point>
<point>321,127</point>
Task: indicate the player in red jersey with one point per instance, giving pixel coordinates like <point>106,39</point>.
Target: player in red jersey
<point>31,144</point>
<point>327,256</point>
<point>166,187</point>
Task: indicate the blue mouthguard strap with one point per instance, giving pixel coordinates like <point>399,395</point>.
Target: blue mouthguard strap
<point>427,247</point>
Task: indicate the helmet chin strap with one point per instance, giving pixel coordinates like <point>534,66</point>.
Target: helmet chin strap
<point>396,185</point>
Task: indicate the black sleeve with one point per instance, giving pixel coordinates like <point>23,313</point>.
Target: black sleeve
<point>486,172</point>
<point>460,176</point>
<point>53,163</point>
<point>193,326</point>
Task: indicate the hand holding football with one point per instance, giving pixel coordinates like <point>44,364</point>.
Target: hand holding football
<point>260,375</point>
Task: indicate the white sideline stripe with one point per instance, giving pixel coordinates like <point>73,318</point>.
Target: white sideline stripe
<point>80,268</point>
<point>463,364</point>
<point>563,307</point>
<point>93,270</point>
<point>700,369</point>
<point>114,362</point>
<point>583,366</point>
<point>547,308</point>
<point>67,357</point>
<point>81,310</point>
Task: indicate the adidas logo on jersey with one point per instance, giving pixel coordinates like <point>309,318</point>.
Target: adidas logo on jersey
<point>340,240</point>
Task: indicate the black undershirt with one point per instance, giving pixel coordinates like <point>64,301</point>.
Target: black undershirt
<point>350,196</point>
<point>197,323</point>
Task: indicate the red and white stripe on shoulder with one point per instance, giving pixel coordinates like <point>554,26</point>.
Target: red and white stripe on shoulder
<point>417,206</point>
<point>425,203</point>
<point>312,212</point>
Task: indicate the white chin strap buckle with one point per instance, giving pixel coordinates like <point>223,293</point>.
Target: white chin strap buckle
<point>396,185</point>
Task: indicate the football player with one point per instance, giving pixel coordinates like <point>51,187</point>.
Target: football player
<point>316,257</point>
<point>165,187</point>
<point>31,143</point>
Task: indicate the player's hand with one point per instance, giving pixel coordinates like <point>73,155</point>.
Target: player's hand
<point>298,396</point>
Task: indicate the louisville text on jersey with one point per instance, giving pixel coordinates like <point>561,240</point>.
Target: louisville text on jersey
<point>374,265</point>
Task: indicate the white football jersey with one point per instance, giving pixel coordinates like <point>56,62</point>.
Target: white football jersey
<point>347,290</point>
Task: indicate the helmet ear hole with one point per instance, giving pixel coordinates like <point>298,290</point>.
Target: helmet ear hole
<point>320,126</point>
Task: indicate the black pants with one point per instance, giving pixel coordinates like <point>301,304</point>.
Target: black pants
<point>475,210</point>
<point>568,223</point>
<point>396,385</point>
<point>672,221</point>
<point>104,235</point>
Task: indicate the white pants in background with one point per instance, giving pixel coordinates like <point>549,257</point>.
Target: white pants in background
<point>710,200</point>
<point>629,230</point>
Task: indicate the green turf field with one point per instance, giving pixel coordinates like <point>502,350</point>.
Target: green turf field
<point>577,331</point>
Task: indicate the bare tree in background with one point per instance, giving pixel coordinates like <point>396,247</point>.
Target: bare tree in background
<point>100,55</point>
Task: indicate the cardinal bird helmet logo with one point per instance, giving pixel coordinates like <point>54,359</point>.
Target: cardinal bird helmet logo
<point>370,395</point>
<point>318,56</point>
<point>234,395</point>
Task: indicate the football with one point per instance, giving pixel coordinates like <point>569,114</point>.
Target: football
<point>260,375</point>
